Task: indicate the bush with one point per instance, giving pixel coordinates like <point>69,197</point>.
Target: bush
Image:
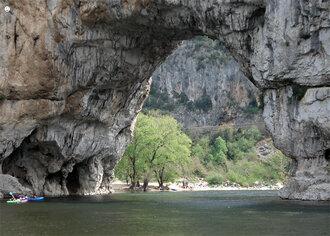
<point>204,103</point>
<point>183,98</point>
<point>254,133</point>
<point>215,179</point>
<point>240,164</point>
<point>190,106</point>
<point>168,107</point>
<point>234,151</point>
<point>196,168</point>
<point>153,92</point>
<point>251,110</point>
<point>280,165</point>
<point>237,178</point>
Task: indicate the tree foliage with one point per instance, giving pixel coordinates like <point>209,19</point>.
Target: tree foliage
<point>229,155</point>
<point>219,152</point>
<point>159,149</point>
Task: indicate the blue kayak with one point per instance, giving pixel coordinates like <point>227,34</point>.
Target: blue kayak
<point>36,199</point>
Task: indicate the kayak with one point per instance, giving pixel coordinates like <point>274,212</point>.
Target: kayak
<point>17,201</point>
<point>36,199</point>
<point>13,202</point>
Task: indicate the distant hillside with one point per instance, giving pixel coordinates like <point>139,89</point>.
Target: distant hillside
<point>200,84</point>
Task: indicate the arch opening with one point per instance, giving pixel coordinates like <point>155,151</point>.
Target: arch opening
<point>201,85</point>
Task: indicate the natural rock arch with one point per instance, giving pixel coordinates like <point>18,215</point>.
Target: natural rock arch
<point>75,73</point>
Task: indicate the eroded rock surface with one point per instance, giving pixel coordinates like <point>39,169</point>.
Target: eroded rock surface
<point>299,121</point>
<point>75,73</point>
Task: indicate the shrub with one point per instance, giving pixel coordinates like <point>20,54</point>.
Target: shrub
<point>183,98</point>
<point>204,103</point>
<point>254,133</point>
<point>215,179</point>
<point>251,110</point>
<point>237,178</point>
<point>169,107</point>
<point>234,151</point>
<point>190,106</point>
<point>153,92</point>
<point>196,168</point>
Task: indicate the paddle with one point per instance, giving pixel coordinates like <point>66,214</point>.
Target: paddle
<point>12,195</point>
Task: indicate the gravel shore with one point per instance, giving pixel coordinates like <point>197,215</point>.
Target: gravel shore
<point>120,187</point>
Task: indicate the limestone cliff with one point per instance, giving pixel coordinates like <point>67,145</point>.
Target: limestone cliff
<point>200,84</point>
<point>75,73</point>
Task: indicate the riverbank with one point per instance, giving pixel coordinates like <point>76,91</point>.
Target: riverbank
<point>121,187</point>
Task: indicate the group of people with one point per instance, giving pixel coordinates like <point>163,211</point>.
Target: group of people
<point>21,197</point>
<point>186,185</point>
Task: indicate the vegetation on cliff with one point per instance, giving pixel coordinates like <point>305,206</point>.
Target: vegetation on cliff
<point>161,151</point>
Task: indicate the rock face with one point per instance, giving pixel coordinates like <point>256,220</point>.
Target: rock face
<point>9,183</point>
<point>202,85</point>
<point>75,73</point>
<point>299,121</point>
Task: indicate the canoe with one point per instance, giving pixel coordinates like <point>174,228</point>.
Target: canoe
<point>36,199</point>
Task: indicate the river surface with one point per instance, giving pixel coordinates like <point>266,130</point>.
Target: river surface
<point>168,213</point>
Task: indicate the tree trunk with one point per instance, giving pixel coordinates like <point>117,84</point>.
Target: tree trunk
<point>161,178</point>
<point>133,185</point>
<point>145,184</point>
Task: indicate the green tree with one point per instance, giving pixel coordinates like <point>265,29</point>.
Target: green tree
<point>202,150</point>
<point>123,170</point>
<point>219,152</point>
<point>172,157</point>
<point>169,146</point>
<point>158,145</point>
<point>133,162</point>
<point>254,133</point>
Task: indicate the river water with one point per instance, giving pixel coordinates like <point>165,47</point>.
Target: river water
<point>168,213</point>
